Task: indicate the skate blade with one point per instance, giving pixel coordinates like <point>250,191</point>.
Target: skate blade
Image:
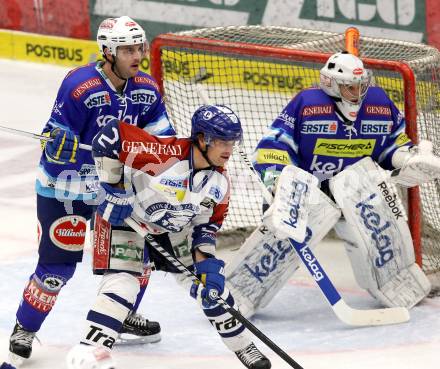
<point>131,339</point>
<point>16,360</point>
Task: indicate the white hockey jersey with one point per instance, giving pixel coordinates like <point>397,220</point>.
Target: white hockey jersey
<point>171,195</point>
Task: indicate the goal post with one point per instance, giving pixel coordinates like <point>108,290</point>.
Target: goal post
<point>256,70</point>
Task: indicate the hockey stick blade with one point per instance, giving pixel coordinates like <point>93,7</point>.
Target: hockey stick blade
<point>347,314</point>
<point>19,132</point>
<point>372,317</point>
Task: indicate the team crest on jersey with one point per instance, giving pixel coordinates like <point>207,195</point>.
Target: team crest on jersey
<point>97,99</point>
<point>171,217</point>
<point>216,192</point>
<point>323,127</point>
<point>69,232</point>
<point>374,127</point>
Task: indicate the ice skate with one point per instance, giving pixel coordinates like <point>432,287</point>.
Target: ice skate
<point>138,330</point>
<point>252,358</point>
<point>20,345</point>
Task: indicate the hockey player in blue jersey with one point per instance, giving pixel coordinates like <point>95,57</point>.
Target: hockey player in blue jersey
<point>323,130</point>
<point>67,183</point>
<point>350,135</point>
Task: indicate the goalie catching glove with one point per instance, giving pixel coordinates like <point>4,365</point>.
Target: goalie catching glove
<point>211,273</point>
<point>415,165</point>
<point>63,148</point>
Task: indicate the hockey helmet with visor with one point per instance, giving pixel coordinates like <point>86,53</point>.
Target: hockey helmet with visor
<point>218,124</point>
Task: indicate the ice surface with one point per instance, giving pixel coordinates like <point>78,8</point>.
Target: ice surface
<point>298,319</point>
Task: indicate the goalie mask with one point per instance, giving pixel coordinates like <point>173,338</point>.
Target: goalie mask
<point>216,122</point>
<point>122,31</point>
<point>345,79</point>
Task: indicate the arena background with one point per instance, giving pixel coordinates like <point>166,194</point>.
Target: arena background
<point>77,21</point>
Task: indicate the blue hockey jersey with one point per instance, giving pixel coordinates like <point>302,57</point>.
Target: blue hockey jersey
<point>85,103</point>
<point>309,133</point>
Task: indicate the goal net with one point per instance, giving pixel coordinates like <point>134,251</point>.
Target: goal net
<point>256,70</point>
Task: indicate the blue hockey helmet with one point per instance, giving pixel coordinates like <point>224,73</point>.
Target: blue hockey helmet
<point>216,121</point>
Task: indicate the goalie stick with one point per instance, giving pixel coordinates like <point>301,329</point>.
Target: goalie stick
<point>19,132</point>
<point>235,313</point>
<point>345,313</point>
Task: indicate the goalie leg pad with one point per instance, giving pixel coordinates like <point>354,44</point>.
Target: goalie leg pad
<point>376,233</point>
<point>406,288</point>
<point>264,264</point>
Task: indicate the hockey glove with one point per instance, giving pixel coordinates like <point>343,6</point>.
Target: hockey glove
<point>62,149</point>
<point>416,165</point>
<point>212,274</point>
<point>117,204</point>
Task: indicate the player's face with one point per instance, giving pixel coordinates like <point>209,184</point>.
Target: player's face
<point>219,151</point>
<point>353,92</point>
<point>129,59</point>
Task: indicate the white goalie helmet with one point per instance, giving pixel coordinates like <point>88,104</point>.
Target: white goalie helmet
<point>344,78</point>
<point>122,31</point>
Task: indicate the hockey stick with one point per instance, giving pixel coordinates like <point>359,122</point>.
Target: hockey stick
<point>19,132</point>
<point>345,313</point>
<point>213,294</point>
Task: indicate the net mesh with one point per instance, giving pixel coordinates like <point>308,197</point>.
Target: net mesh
<point>258,87</point>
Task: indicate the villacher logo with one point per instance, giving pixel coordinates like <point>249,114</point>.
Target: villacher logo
<point>69,232</point>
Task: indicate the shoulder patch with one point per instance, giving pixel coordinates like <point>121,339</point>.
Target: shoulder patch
<point>79,90</point>
<point>317,110</point>
<point>144,80</point>
<point>378,110</point>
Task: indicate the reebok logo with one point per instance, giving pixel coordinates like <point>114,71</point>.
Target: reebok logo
<point>392,200</point>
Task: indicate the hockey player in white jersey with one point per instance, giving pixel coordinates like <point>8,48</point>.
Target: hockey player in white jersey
<point>350,136</point>
<point>178,189</point>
